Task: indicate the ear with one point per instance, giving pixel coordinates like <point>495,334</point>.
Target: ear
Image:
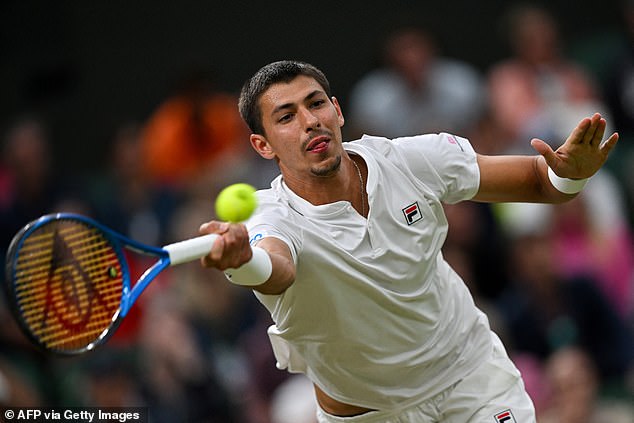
<point>339,112</point>
<point>262,146</point>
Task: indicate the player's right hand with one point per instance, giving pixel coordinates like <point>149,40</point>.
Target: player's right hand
<point>231,249</point>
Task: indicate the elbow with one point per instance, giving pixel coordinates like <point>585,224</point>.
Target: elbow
<point>561,198</point>
<point>273,288</point>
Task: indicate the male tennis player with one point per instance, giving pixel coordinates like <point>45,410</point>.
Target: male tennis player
<point>363,302</point>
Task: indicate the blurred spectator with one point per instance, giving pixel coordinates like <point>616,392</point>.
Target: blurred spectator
<point>475,235</point>
<point>619,83</point>
<point>30,187</point>
<point>192,134</point>
<point>16,389</point>
<point>545,311</point>
<point>574,392</point>
<point>619,94</point>
<point>109,378</point>
<point>536,92</point>
<point>125,198</point>
<point>180,384</point>
<point>264,377</point>
<point>415,91</point>
<point>592,238</point>
<point>532,370</point>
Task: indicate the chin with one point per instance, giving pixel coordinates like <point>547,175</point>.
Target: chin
<point>329,168</point>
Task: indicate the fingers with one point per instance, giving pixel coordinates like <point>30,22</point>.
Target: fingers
<point>589,131</point>
<point>583,153</point>
<point>213,227</point>
<point>215,254</point>
<point>597,137</point>
<point>546,151</point>
<point>609,144</point>
<point>577,135</point>
<point>231,249</point>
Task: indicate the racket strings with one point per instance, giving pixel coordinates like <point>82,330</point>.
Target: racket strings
<point>68,284</point>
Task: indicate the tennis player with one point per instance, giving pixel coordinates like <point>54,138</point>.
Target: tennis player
<point>362,300</point>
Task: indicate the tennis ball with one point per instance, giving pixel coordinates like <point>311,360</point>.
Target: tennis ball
<point>236,202</point>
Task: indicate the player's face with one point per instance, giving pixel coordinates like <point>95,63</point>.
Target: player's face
<point>302,129</point>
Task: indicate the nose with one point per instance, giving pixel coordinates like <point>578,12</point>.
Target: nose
<point>309,119</point>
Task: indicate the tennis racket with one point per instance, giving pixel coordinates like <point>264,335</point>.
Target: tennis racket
<point>69,284</point>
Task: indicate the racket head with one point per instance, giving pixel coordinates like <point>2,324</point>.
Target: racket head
<point>66,276</point>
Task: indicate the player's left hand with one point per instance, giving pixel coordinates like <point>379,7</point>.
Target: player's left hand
<point>583,153</point>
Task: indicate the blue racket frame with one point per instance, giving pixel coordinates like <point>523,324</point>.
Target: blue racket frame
<point>119,242</point>
<point>258,268</point>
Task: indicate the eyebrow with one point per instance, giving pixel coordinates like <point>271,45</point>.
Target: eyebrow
<point>289,105</point>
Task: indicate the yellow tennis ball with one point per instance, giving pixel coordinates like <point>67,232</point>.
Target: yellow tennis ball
<point>236,202</point>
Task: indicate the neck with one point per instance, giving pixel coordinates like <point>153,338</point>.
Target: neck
<point>341,185</point>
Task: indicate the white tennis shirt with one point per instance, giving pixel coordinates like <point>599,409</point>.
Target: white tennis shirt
<point>376,317</point>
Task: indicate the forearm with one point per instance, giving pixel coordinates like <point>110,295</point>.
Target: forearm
<point>526,178</point>
<point>268,267</point>
<point>516,179</point>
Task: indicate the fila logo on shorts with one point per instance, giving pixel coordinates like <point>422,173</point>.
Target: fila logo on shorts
<point>412,213</point>
<point>505,417</point>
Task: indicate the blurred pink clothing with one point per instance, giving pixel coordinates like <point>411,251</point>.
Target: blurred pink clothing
<point>608,259</point>
<point>592,237</point>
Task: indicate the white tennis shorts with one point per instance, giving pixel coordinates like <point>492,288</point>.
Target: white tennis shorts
<point>494,393</point>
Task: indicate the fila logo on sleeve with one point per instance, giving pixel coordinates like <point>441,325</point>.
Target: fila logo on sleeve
<point>453,140</point>
<point>505,417</point>
<point>412,213</point>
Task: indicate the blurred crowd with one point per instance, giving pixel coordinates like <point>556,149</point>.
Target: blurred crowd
<point>557,282</point>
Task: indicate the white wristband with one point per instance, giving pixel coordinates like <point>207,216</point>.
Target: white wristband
<point>253,273</point>
<point>565,185</point>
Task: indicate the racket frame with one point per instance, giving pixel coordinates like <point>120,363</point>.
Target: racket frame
<point>119,244</point>
<point>258,269</point>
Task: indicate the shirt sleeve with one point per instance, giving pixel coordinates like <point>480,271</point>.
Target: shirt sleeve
<point>272,219</point>
<point>446,163</point>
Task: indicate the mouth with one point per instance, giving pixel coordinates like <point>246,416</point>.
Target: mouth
<point>318,144</point>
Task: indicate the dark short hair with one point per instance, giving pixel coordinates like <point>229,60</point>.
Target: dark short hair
<point>273,73</point>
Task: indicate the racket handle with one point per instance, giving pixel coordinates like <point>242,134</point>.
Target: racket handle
<point>256,271</point>
<point>190,249</point>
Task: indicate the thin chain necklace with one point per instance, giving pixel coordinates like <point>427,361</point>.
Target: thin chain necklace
<point>361,185</point>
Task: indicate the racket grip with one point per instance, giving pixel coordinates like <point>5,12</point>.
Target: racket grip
<point>190,249</point>
<point>255,272</point>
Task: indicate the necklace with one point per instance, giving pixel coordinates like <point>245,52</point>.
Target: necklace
<point>361,185</point>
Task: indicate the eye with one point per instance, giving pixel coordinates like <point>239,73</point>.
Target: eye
<point>285,118</point>
<point>317,103</point>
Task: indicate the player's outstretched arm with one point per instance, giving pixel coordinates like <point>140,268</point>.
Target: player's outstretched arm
<point>232,250</point>
<point>583,153</point>
<point>526,178</point>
